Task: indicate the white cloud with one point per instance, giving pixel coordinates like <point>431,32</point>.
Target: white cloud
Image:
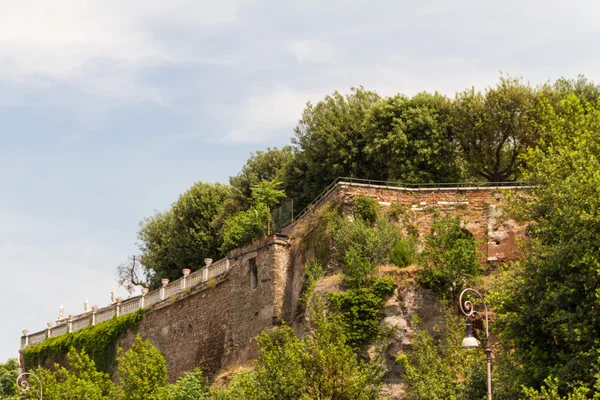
<point>262,116</point>
<point>99,47</point>
<point>45,264</point>
<point>315,51</point>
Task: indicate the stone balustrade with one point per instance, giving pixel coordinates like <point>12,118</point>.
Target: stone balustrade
<point>123,307</point>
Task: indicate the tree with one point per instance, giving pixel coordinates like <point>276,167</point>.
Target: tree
<point>8,376</point>
<point>495,128</point>
<point>184,235</point>
<point>262,166</point>
<point>549,309</point>
<point>408,140</point>
<point>331,140</point>
<point>141,370</point>
<point>130,274</point>
<point>244,227</point>
<point>266,192</point>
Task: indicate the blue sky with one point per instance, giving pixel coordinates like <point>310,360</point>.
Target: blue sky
<point>110,109</point>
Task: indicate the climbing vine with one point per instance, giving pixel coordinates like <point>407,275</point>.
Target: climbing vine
<point>98,341</point>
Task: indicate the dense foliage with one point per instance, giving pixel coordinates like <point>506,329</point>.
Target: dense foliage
<point>8,375</point>
<point>449,259</point>
<point>437,367</point>
<point>97,341</point>
<point>549,304</point>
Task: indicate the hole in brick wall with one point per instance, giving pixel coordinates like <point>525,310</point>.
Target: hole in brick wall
<point>253,273</point>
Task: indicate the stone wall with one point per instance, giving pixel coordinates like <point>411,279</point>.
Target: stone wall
<point>481,208</point>
<point>215,324</point>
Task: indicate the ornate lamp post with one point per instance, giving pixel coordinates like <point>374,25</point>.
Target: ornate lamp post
<point>470,342</point>
<point>23,385</point>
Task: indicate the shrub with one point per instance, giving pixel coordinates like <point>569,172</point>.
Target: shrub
<point>449,258</point>
<point>191,386</point>
<point>405,252</point>
<point>360,309</point>
<point>366,208</point>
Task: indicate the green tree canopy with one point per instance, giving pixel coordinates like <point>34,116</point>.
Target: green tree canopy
<point>549,308</point>
<point>141,371</point>
<point>494,128</point>
<point>8,375</point>
<point>184,235</point>
<point>408,140</point>
<point>267,165</point>
<point>331,141</point>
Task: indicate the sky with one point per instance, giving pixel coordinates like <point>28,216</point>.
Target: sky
<point>110,109</point>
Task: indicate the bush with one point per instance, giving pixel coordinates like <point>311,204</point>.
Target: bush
<point>78,380</point>
<point>361,247</point>
<point>405,252</point>
<point>449,259</point>
<point>191,386</point>
<point>360,310</point>
<point>366,208</point>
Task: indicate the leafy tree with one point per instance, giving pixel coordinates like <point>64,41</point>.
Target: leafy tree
<point>141,370</point>
<point>244,227</point>
<point>184,235</point>
<point>550,310</point>
<point>409,140</point>
<point>8,375</point>
<point>331,141</point>
<point>155,243</point>
<point>495,128</point>
<point>266,192</point>
<point>262,166</point>
<point>449,258</point>
<point>191,386</point>
<point>79,380</point>
<point>437,367</point>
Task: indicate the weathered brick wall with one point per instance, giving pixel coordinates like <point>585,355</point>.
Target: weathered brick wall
<point>480,208</point>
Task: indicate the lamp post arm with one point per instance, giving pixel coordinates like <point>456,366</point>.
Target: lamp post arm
<point>467,308</point>
<point>23,384</point>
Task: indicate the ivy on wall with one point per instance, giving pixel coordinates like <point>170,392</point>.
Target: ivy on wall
<point>98,341</point>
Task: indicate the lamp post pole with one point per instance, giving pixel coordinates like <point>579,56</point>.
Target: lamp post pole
<point>469,342</point>
<point>23,385</point>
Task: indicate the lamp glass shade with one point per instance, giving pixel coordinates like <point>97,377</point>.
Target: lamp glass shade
<point>469,342</point>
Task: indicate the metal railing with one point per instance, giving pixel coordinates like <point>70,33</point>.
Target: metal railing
<point>97,316</point>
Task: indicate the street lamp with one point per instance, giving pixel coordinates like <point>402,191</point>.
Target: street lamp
<point>469,341</point>
<point>23,385</point>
